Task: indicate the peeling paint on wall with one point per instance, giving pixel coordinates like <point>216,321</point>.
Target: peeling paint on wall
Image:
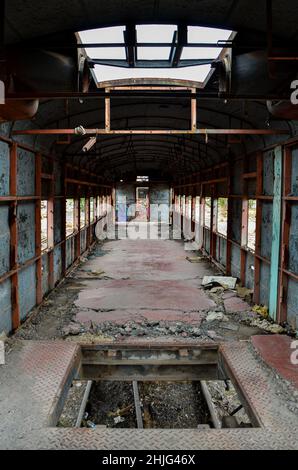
<point>26,231</point>
<point>27,290</point>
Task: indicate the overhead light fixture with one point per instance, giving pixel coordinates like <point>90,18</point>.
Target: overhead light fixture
<point>80,130</point>
<point>89,144</point>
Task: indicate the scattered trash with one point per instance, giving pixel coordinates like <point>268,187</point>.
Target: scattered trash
<point>268,326</point>
<point>245,293</point>
<point>261,310</point>
<point>3,336</point>
<point>119,419</point>
<point>213,316</point>
<point>194,259</point>
<point>227,282</point>
<point>72,330</point>
<point>229,326</point>
<point>121,411</point>
<point>217,290</point>
<point>90,424</point>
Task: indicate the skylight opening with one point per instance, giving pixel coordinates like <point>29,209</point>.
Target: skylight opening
<point>201,34</point>
<point>106,73</point>
<point>153,53</point>
<point>152,34</point>
<point>193,53</point>
<point>155,32</point>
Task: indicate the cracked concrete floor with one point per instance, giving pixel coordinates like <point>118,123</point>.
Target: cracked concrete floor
<point>139,288</point>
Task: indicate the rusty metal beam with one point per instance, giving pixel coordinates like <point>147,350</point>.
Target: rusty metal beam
<point>153,131</point>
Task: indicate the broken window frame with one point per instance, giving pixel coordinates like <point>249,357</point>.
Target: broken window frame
<point>245,230</point>
<point>217,213</point>
<point>92,204</point>
<point>82,206</point>
<point>69,232</point>
<point>206,205</point>
<point>44,232</point>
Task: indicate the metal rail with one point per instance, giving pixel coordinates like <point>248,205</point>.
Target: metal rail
<point>137,404</point>
<point>208,398</point>
<point>83,404</point>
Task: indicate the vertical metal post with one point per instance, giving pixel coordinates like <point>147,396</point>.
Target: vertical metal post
<point>63,220</point>
<point>286,226</point>
<point>276,232</point>
<point>15,307</point>
<point>259,192</point>
<point>51,277</point>
<point>193,111</point>
<point>107,112</point>
<point>38,163</point>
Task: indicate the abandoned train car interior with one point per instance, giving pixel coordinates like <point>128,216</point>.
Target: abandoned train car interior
<point>149,224</point>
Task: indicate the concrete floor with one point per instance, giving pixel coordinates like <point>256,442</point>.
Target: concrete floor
<point>143,279</point>
<point>140,288</point>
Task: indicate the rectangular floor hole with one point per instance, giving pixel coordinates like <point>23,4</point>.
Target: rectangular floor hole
<point>163,405</point>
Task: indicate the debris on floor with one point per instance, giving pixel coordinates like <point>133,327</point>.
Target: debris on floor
<point>163,404</point>
<point>212,316</point>
<point>245,293</point>
<point>227,282</point>
<point>194,259</point>
<point>266,325</point>
<point>261,310</point>
<point>226,401</point>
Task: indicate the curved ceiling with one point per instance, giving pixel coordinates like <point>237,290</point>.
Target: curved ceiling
<point>169,156</point>
<point>26,20</point>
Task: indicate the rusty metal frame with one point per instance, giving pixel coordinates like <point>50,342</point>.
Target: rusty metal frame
<point>198,131</point>
<point>12,201</point>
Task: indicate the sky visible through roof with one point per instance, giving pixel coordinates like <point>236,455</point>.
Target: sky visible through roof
<point>153,33</point>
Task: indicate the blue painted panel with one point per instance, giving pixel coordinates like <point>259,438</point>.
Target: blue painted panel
<point>266,229</point>
<point>45,273</point>
<point>293,240</point>
<point>292,304</point>
<point>207,240</point>
<point>276,233</point>
<point>4,240</point>
<point>5,306</point>
<point>264,283</point>
<point>57,264</point>
<point>249,272</point>
<point>26,231</point>
<point>70,251</point>
<point>25,173</point>
<point>236,210</point>
<point>221,251</point>
<point>27,290</point>
<point>4,169</point>
<point>294,181</point>
<point>268,172</point>
<point>83,240</point>
<point>235,261</point>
